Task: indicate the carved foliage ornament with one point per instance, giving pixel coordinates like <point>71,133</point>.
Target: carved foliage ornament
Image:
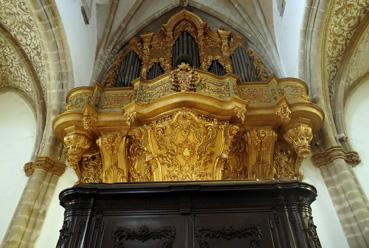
<point>182,146</point>
<point>252,234</point>
<point>166,235</point>
<point>300,137</point>
<point>76,145</point>
<point>342,23</point>
<point>184,78</point>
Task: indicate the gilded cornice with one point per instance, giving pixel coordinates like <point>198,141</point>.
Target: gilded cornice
<point>327,157</point>
<point>16,18</point>
<point>342,21</point>
<point>46,164</point>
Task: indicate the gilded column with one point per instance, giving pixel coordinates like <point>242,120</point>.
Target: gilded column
<point>29,216</point>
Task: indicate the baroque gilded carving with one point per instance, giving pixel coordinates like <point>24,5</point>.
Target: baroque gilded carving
<point>91,168</point>
<point>188,124</point>
<point>300,137</point>
<point>157,47</point>
<point>76,144</point>
<point>181,147</point>
<point>184,78</point>
<point>260,143</point>
<point>113,146</point>
<point>284,112</point>
<point>286,162</point>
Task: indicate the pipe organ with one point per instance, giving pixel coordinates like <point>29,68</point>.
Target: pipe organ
<point>193,42</point>
<point>188,104</point>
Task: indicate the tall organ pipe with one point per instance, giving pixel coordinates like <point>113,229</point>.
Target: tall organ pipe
<point>154,71</point>
<point>129,70</point>
<point>185,50</point>
<point>243,66</point>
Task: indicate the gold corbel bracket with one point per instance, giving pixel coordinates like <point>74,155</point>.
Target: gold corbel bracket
<point>76,142</point>
<point>299,134</point>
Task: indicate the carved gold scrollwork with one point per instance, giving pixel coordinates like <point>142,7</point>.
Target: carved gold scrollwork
<point>76,144</point>
<point>284,112</point>
<point>113,151</point>
<point>260,144</point>
<point>184,78</point>
<point>286,162</point>
<point>91,167</point>
<point>300,137</point>
<point>181,146</point>
<point>129,117</point>
<point>89,118</point>
<point>240,113</point>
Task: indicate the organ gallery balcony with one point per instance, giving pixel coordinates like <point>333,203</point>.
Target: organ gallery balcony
<point>188,104</point>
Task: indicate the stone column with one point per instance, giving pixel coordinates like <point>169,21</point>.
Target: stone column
<point>29,216</point>
<point>349,200</point>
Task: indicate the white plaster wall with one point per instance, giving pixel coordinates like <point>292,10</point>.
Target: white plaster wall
<point>18,136</point>
<point>55,214</point>
<point>357,124</point>
<point>287,33</point>
<point>329,228</point>
<point>82,39</point>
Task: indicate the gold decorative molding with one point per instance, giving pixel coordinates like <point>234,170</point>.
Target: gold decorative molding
<point>327,157</point>
<point>46,164</point>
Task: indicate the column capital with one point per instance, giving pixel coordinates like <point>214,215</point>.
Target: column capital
<point>326,157</point>
<point>46,164</point>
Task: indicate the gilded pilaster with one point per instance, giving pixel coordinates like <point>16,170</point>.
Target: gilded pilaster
<point>113,151</point>
<point>260,145</point>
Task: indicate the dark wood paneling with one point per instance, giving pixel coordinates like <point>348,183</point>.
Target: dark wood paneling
<point>189,215</point>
